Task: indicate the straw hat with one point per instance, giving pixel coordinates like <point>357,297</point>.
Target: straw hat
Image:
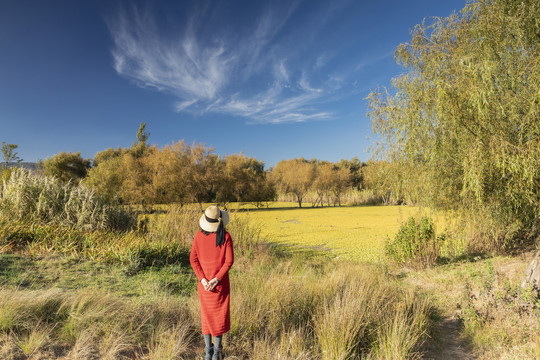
<point>212,217</point>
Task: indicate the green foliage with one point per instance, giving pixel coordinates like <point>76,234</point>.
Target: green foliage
<point>9,154</point>
<point>355,169</point>
<point>465,116</point>
<point>66,166</point>
<point>108,177</point>
<point>142,136</point>
<point>415,242</point>
<point>107,154</point>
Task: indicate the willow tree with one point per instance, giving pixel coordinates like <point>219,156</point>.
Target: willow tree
<point>466,111</point>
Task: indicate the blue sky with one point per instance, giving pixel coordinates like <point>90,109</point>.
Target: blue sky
<point>274,79</point>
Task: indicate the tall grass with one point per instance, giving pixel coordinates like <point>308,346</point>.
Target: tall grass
<point>337,309</point>
<point>283,306</point>
<point>34,198</point>
<point>91,325</point>
<point>297,313</point>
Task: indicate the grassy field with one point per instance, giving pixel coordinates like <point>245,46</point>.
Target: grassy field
<point>138,301</point>
<point>73,294</point>
<point>355,233</point>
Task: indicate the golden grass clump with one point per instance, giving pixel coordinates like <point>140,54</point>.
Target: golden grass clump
<point>339,308</point>
<point>35,198</point>
<point>92,325</point>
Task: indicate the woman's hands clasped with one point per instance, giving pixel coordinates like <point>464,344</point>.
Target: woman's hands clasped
<point>209,285</point>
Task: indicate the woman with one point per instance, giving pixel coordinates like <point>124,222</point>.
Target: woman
<point>211,258</point>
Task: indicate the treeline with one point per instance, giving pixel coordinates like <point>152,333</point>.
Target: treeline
<point>180,173</point>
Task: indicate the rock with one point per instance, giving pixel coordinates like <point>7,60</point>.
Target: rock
<point>532,274</point>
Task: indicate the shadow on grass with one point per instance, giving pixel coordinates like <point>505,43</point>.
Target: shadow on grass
<point>289,251</point>
<point>469,257</point>
<point>309,207</point>
<point>13,269</point>
<point>157,258</point>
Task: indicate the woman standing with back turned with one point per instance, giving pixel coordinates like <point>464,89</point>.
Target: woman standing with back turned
<point>211,258</point>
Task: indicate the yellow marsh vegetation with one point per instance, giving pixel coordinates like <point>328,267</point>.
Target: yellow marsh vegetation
<point>355,233</point>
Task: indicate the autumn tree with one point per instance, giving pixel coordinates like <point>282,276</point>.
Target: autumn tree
<point>465,115</point>
<point>341,181</point>
<point>323,181</point>
<point>295,177</point>
<point>355,171</point>
<point>66,166</point>
<point>107,154</point>
<point>243,179</point>
<point>107,178</point>
<point>137,185</point>
<point>122,174</point>
<point>203,173</point>
<point>170,170</point>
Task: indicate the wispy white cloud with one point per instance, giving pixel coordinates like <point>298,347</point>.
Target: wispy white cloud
<point>272,107</point>
<point>182,68</point>
<point>373,59</point>
<point>245,75</point>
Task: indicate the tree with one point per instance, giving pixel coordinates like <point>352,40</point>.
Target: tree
<point>107,178</point>
<point>140,147</point>
<point>355,169</point>
<point>465,115</point>
<point>9,154</point>
<point>243,179</point>
<point>322,183</point>
<point>142,136</point>
<point>107,154</point>
<point>66,166</point>
<point>203,173</point>
<point>295,177</point>
<point>341,181</point>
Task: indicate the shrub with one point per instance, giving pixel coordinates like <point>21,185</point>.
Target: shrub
<point>415,242</point>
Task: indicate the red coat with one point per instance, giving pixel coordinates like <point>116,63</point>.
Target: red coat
<point>209,261</point>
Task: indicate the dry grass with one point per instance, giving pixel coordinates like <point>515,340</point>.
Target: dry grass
<point>337,306</point>
<point>500,319</point>
<point>283,305</point>
<point>282,309</point>
<point>34,198</point>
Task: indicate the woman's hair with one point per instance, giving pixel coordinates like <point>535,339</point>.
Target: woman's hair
<point>206,233</point>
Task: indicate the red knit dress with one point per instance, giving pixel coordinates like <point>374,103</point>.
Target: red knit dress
<point>209,261</point>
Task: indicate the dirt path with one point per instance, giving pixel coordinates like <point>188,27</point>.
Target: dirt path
<point>448,342</point>
<point>448,339</point>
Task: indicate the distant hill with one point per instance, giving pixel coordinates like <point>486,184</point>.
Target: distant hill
<point>24,165</point>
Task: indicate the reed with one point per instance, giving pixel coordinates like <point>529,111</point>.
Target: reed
<point>34,198</point>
